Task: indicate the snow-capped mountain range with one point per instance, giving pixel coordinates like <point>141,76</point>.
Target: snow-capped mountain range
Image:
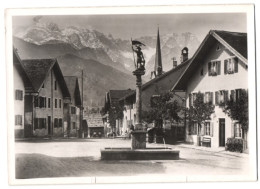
<point>118,50</point>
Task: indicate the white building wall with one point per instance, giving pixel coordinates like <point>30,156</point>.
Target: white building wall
<point>18,104</point>
<point>208,83</point>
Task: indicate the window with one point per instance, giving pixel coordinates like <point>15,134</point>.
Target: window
<point>73,110</point>
<point>218,48</point>
<point>231,65</point>
<point>60,122</point>
<point>214,68</point>
<point>73,125</point>
<point>18,120</point>
<point>207,128</point>
<point>201,71</point>
<point>56,122</point>
<point>192,98</point>
<point>56,103</point>
<point>55,85</point>
<point>59,103</point>
<point>238,130</point>
<point>18,95</point>
<point>208,97</point>
<point>43,86</point>
<point>39,123</point>
<point>42,102</point>
<point>49,102</point>
<point>221,97</point>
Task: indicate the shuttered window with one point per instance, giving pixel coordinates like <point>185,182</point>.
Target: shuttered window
<point>18,95</point>
<point>237,130</point>
<point>18,120</point>
<point>49,102</point>
<point>214,68</point>
<point>207,128</point>
<point>231,65</point>
<point>40,123</point>
<point>56,103</point>
<point>208,97</point>
<point>56,122</point>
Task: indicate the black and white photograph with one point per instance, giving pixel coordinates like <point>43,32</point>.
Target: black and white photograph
<point>131,94</point>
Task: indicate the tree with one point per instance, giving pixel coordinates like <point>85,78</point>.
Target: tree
<point>163,107</point>
<point>115,113</point>
<point>237,109</point>
<point>200,111</point>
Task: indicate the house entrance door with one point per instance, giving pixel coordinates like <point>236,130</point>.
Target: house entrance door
<point>221,132</point>
<point>49,125</point>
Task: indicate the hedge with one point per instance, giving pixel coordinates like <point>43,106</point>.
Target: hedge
<point>234,145</point>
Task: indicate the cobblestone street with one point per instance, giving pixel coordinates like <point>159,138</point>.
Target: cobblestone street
<point>81,157</point>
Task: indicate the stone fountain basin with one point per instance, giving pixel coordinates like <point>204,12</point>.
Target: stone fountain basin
<point>139,154</point>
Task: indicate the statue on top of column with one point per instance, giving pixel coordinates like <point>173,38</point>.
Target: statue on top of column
<point>140,62</point>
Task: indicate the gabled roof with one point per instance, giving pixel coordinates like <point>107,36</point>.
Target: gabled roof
<point>233,41</point>
<point>236,40</point>
<point>73,86</point>
<point>176,72</point>
<point>39,69</point>
<point>18,65</point>
<point>112,97</point>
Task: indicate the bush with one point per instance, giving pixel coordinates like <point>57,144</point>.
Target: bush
<point>234,145</point>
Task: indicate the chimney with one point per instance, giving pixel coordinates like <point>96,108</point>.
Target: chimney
<point>174,62</point>
<point>184,54</point>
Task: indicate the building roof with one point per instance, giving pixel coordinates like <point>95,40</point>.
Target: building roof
<point>73,86</point>
<point>113,96</point>
<point>177,72</point>
<point>39,69</point>
<point>233,41</point>
<point>20,68</point>
<point>236,40</point>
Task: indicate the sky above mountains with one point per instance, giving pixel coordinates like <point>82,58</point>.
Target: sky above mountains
<point>135,26</point>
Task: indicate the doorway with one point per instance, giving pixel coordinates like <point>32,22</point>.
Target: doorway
<point>222,132</point>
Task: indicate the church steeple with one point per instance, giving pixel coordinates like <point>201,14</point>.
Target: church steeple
<point>158,69</point>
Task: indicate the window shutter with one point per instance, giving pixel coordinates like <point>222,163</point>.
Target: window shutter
<point>211,128</point>
<point>233,95</point>
<point>225,97</point>
<point>225,66</point>
<point>204,97</point>
<point>233,130</point>
<point>202,129</point>
<point>217,98</point>
<point>219,67</point>
<point>235,64</point>
<point>211,97</point>
<point>44,123</point>
<point>190,100</point>
<point>35,123</point>
<point>21,93</point>
<point>209,68</point>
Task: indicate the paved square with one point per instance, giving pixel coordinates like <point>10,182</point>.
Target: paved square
<point>81,158</point>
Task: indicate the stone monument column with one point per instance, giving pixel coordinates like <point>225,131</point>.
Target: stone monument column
<point>139,133</point>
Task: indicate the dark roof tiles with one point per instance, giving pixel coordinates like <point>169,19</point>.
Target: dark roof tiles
<point>236,40</point>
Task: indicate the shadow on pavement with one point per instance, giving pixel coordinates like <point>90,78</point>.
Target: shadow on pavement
<point>42,166</point>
